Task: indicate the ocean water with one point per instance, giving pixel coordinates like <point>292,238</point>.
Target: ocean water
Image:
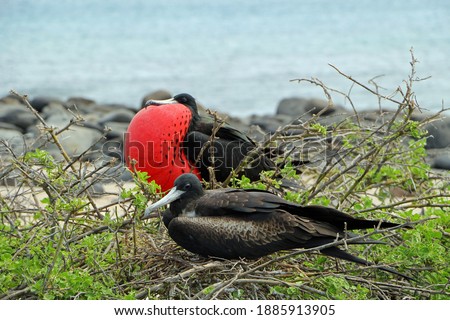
<point>234,56</point>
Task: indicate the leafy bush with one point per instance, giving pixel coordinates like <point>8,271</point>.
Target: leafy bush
<point>58,242</point>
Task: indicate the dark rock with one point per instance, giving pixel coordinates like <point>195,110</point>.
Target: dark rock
<point>316,105</point>
<point>40,103</point>
<point>9,131</point>
<point>270,123</point>
<point>420,116</point>
<point>9,182</point>
<point>11,99</point>
<point>12,142</point>
<point>119,116</point>
<point>113,148</point>
<point>19,118</point>
<point>118,129</point>
<point>59,116</point>
<point>9,126</point>
<point>79,101</point>
<point>92,125</point>
<point>297,107</point>
<point>255,133</point>
<point>293,106</point>
<point>97,190</point>
<point>76,139</point>
<point>438,134</point>
<point>156,95</point>
<point>102,109</point>
<point>53,109</point>
<point>126,175</point>
<point>17,115</point>
<point>114,173</point>
<point>378,117</point>
<point>441,161</point>
<point>335,119</point>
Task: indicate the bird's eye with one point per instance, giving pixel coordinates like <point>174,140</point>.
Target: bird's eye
<point>187,186</point>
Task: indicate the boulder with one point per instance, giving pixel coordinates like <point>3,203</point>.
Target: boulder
<point>293,107</point>
<point>441,161</point>
<point>40,103</point>
<point>11,99</point>
<point>76,139</point>
<point>297,107</point>
<point>438,134</point>
<point>269,123</point>
<point>79,101</point>
<point>53,109</point>
<point>17,115</point>
<point>11,139</point>
<point>103,109</point>
<point>8,126</point>
<point>9,131</point>
<point>117,116</point>
<point>156,95</point>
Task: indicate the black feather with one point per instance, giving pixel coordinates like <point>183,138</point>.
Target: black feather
<point>233,223</point>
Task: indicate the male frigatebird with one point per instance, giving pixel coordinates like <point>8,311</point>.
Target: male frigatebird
<point>169,137</point>
<point>238,223</point>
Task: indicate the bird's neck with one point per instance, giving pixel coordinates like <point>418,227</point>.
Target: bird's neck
<point>184,204</point>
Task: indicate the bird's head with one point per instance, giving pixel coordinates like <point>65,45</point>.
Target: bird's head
<point>182,98</point>
<point>186,188</point>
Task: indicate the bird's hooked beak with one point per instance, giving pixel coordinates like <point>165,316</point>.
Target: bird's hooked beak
<point>160,102</point>
<point>174,194</point>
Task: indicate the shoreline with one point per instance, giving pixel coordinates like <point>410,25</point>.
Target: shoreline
<point>19,127</point>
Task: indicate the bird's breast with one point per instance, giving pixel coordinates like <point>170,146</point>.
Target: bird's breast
<point>154,143</point>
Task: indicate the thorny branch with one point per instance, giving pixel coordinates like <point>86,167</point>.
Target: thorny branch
<point>147,261</point>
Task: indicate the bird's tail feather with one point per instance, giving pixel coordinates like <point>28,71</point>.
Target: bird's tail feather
<point>341,254</point>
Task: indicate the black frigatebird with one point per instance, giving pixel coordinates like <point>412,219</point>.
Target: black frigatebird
<point>238,223</point>
<point>169,137</point>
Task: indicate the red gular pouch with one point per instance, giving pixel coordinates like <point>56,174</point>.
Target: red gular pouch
<point>153,143</point>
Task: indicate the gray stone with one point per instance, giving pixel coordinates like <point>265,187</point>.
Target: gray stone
<point>156,95</point>
<point>117,116</point>
<point>114,172</point>
<point>79,101</point>
<point>76,139</point>
<point>438,134</point>
<point>270,123</point>
<point>103,109</point>
<point>97,189</point>
<point>8,132</point>
<point>293,106</point>
<point>117,128</point>
<point>441,161</point>
<point>296,107</point>
<point>126,175</point>
<point>113,148</point>
<point>55,109</point>
<point>316,105</point>
<point>11,140</point>
<point>11,99</point>
<point>335,119</point>
<point>17,115</point>
<point>20,119</point>
<point>9,126</point>
<point>9,181</point>
<point>40,103</point>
